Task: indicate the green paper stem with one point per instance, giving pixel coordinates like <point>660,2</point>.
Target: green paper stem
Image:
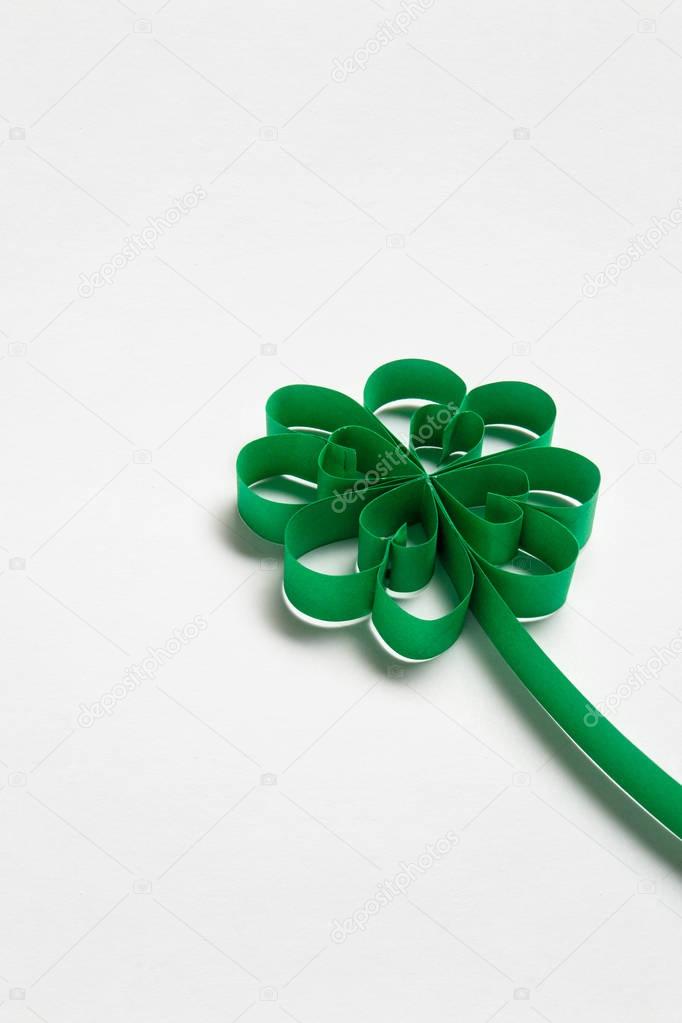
<point>476,513</point>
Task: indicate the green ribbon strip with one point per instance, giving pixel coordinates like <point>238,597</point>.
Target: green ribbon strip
<point>476,513</point>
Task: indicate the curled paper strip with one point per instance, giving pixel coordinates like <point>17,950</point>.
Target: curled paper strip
<point>476,512</point>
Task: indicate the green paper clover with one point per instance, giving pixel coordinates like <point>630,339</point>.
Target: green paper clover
<point>371,486</point>
<point>476,513</point>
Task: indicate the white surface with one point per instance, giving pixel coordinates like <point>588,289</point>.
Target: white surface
<point>560,900</point>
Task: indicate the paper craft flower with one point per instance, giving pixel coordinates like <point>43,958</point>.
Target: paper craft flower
<point>476,512</point>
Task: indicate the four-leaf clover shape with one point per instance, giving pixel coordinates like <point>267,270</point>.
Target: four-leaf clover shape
<point>476,513</point>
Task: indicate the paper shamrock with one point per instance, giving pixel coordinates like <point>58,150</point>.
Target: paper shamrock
<point>476,514</point>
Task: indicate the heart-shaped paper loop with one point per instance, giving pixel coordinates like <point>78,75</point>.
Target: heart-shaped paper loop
<point>291,454</point>
<point>383,536</point>
<point>478,515</point>
<point>408,634</point>
<point>517,404</point>
<point>355,457</point>
<point>407,379</point>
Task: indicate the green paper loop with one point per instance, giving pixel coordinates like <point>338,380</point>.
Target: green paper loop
<point>477,515</point>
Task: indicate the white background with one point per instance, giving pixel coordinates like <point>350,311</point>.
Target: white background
<point>148,872</point>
